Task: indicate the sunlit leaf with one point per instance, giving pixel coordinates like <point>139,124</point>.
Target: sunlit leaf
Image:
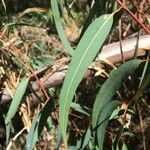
<point>86,51</point>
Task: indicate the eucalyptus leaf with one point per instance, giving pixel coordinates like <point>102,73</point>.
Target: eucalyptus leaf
<point>33,133</point>
<point>21,88</point>
<point>103,121</point>
<point>8,129</point>
<point>111,85</point>
<point>86,139</point>
<point>14,105</point>
<point>38,124</point>
<point>145,80</point>
<point>59,27</point>
<point>86,51</point>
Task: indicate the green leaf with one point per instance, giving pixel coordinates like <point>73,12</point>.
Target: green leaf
<point>103,121</point>
<point>59,27</point>
<point>8,129</point>
<point>33,133</point>
<point>116,141</point>
<point>58,139</point>
<point>38,124</point>
<point>72,148</point>
<point>145,80</point>
<point>124,147</point>
<point>17,99</point>
<point>43,61</point>
<point>90,17</point>
<point>110,87</point>
<point>86,139</point>
<point>99,8</point>
<point>146,70</point>
<point>86,51</point>
<point>14,105</point>
<point>114,114</point>
<point>78,108</point>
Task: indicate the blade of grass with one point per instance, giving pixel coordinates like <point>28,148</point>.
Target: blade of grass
<point>4,5</point>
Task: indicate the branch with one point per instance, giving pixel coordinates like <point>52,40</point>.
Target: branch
<point>134,16</point>
<point>110,52</point>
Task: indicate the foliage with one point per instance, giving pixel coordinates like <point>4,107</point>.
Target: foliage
<point>85,52</point>
<point>31,54</point>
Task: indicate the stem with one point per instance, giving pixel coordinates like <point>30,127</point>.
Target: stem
<point>26,64</point>
<point>133,16</point>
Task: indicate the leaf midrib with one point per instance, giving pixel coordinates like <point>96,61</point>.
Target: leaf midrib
<point>112,82</point>
<point>80,63</point>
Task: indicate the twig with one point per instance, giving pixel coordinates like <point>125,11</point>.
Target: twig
<point>137,45</point>
<point>133,16</point>
<point>142,127</point>
<point>15,137</point>
<point>109,52</point>
<point>26,64</point>
<point>120,40</point>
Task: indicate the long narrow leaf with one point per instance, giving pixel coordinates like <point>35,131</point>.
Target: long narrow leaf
<point>33,133</point>
<point>38,124</point>
<point>86,139</point>
<point>103,121</point>
<point>17,99</point>
<point>15,104</point>
<point>86,51</point>
<point>145,82</point>
<point>110,87</point>
<point>59,27</point>
<point>90,17</point>
<point>8,129</point>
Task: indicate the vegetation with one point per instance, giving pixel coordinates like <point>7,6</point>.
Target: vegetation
<point>57,91</point>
